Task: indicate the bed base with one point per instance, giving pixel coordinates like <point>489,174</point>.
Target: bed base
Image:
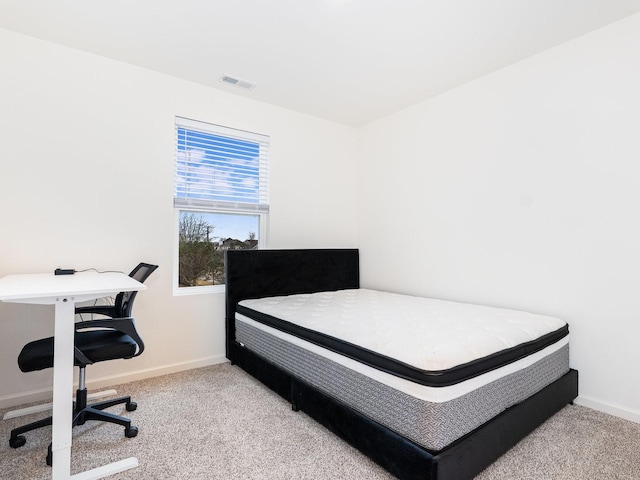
<point>253,274</point>
<point>464,459</point>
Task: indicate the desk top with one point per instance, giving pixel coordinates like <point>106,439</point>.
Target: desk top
<point>46,287</point>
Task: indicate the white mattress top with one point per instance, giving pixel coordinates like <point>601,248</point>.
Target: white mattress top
<point>426,333</point>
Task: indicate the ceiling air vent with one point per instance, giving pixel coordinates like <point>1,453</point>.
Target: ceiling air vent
<point>237,82</point>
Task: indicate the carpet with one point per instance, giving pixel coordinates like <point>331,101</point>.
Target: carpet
<point>219,423</point>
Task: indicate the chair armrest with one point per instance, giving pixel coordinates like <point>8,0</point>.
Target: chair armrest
<point>125,325</point>
<point>106,310</point>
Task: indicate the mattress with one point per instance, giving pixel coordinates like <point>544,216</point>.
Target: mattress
<point>428,341</point>
<point>434,415</point>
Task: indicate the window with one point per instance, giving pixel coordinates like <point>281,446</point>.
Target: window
<point>220,199</point>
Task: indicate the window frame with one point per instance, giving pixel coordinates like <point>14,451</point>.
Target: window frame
<point>185,204</point>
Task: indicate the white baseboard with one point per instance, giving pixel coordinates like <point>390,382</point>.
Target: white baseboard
<point>45,394</point>
<point>615,410</point>
<point>154,372</point>
<point>45,407</point>
<point>41,395</point>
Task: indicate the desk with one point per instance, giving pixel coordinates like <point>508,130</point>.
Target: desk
<point>64,291</point>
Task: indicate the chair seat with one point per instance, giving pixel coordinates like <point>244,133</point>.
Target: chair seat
<point>97,345</point>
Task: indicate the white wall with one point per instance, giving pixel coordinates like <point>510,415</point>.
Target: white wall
<point>86,180</point>
<point>522,189</point>
<point>519,190</point>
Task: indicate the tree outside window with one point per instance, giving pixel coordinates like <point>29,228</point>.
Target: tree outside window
<point>201,246</point>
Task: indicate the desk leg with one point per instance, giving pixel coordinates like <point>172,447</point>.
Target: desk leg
<point>63,360</point>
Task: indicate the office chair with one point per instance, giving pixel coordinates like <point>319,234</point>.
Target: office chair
<point>95,341</point>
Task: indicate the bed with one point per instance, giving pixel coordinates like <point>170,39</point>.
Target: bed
<point>435,420</point>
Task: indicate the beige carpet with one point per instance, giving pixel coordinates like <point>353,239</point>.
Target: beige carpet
<point>219,423</point>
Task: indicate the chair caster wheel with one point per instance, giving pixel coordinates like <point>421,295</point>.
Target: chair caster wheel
<point>131,406</point>
<point>131,432</point>
<point>17,442</point>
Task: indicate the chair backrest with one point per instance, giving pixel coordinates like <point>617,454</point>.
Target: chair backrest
<point>124,300</point>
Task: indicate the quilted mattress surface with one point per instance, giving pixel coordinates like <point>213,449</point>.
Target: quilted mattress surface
<point>429,341</point>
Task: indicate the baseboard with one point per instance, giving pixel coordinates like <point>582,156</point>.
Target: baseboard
<point>40,395</point>
<point>111,380</point>
<point>615,410</point>
<point>44,394</point>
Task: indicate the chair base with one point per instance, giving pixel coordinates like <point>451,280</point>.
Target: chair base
<point>81,414</point>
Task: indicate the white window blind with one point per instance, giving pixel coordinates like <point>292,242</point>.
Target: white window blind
<point>220,168</point>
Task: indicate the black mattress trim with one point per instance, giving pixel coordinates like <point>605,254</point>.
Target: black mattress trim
<point>431,378</point>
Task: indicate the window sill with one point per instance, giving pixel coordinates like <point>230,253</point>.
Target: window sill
<point>182,291</point>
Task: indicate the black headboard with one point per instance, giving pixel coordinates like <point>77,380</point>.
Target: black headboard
<point>269,273</point>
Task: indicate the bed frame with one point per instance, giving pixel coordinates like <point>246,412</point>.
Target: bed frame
<point>265,273</point>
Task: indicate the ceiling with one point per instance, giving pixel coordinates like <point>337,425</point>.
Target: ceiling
<point>349,61</point>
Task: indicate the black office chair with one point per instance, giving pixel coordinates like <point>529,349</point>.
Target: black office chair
<point>96,340</point>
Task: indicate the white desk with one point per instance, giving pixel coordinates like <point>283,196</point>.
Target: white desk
<point>64,291</point>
